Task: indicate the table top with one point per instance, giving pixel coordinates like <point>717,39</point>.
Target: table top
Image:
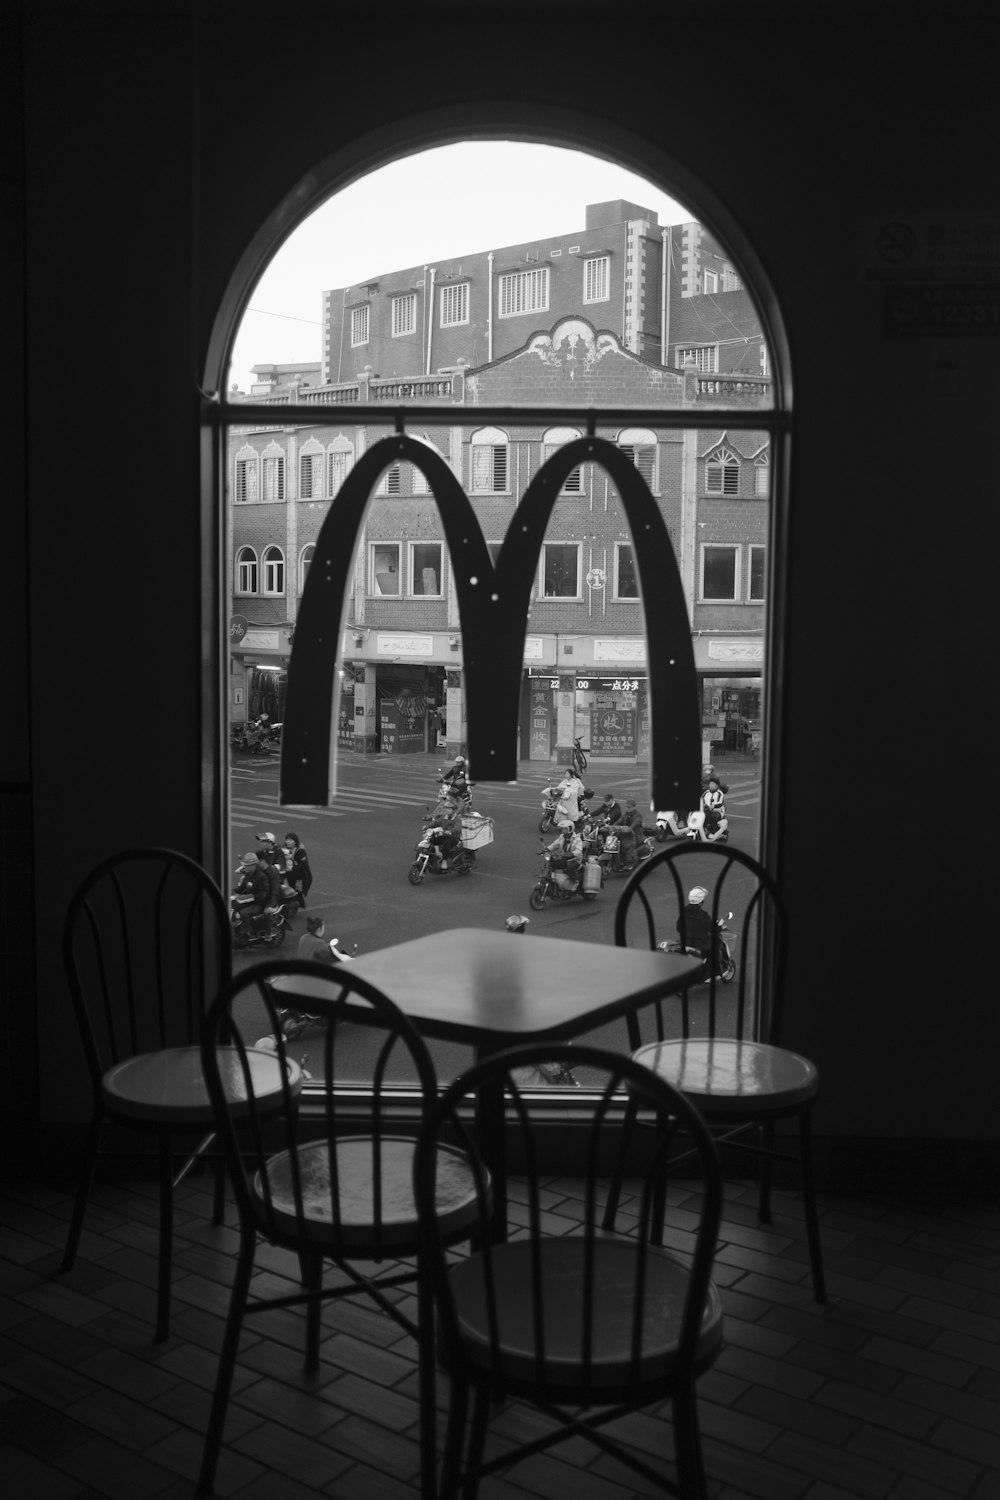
<point>474,984</point>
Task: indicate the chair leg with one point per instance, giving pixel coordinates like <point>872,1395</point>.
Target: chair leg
<point>166,1240</point>
<point>764,1181</point>
<point>809,1205</point>
<point>687,1443</point>
<point>219,1195</point>
<point>482,1399</point>
<point>85,1179</point>
<point>227,1362</point>
<point>618,1174</point>
<point>311,1267</point>
<point>454,1438</point>
<point>427,1377</point>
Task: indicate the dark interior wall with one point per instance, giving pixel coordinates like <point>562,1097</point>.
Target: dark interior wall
<point>158,148</point>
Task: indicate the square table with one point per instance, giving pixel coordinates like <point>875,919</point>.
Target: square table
<point>493,990</point>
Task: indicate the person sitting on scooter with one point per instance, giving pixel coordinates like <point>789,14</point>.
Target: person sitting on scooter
<point>709,773</point>
<point>455,781</point>
<point>568,793</point>
<point>449,820</point>
<point>312,944</point>
<point>610,809</point>
<point>567,850</point>
<point>629,828</point>
<point>696,928</point>
<point>252,881</point>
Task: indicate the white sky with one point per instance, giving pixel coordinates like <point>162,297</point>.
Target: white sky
<point>437,205</point>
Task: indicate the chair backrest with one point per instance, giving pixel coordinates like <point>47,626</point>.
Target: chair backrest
<point>147,942</point>
<point>653,909</point>
<point>370,1073</point>
<point>597,1114</point>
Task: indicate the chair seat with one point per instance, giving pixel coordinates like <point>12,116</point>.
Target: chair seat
<point>167,1087</point>
<point>397,1214</point>
<point>562,1280</point>
<point>730,1077</point>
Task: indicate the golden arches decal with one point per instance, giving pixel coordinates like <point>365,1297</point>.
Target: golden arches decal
<point>493,609</point>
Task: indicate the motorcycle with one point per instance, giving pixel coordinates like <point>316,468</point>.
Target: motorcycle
<point>267,929</point>
<point>458,789</point>
<point>725,965</point>
<point>554,884</point>
<point>431,858</point>
<point>550,806</point>
<point>295,1021</point>
<point>609,853</point>
<point>708,826</point>
<point>671,824</point>
<point>249,738</point>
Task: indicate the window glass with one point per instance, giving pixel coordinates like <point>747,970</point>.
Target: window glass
<point>524,292</point>
<point>626,578</point>
<point>404,314</point>
<point>719,572</point>
<point>454,305</point>
<point>560,570</point>
<point>758,560</point>
<point>385,568</point>
<point>595,279</point>
<point>246,571</point>
<point>425,568</point>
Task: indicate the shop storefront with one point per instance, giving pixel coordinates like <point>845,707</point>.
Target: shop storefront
<point>730,672</point>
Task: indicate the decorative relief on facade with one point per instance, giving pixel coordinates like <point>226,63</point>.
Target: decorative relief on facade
<point>736,650</point>
<point>573,340</point>
<point>612,650</point>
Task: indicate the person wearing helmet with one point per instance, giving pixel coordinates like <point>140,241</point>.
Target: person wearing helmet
<point>709,773</point>
<point>567,849</point>
<point>695,925</point>
<point>455,781</point>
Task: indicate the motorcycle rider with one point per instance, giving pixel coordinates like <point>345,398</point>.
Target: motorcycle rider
<point>568,793</point>
<point>456,779</point>
<point>696,928</point>
<point>313,945</point>
<point>449,820</point>
<point>714,805</point>
<point>610,809</point>
<point>567,850</point>
<point>709,773</point>
<point>252,881</point>
<point>629,829</point>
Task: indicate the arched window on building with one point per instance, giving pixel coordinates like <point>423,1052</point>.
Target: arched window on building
<point>246,571</point>
<point>490,472</point>
<point>339,463</point>
<point>274,571</point>
<point>305,558</point>
<point>311,456</point>
<point>722,472</point>
<point>639,444</point>
<point>553,439</point>
<point>245,476</point>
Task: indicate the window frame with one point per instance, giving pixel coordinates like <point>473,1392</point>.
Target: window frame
<point>706,289</point>
<point>269,564</point>
<point>448,291</point>
<point>315,459</point>
<point>333,452</point>
<point>242,562</point>
<point>635,440</point>
<point>412,591</point>
<point>361,314</point>
<point>560,598</point>
<point>399,300</point>
<point>752,548</point>
<point>596,260</point>
<point>735,549</point>
<point>617,596</point>
<point>509,280</point>
<point>244,464</point>
<point>306,554</point>
<point>555,438</point>
<point>493,433</point>
<point>384,545</point>
<point>272,477</point>
<point>705,356</point>
<point>724,462</point>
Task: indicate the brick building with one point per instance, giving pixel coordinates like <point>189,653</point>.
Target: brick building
<point>584,655</point>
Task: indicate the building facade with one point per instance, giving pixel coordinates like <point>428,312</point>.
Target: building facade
<point>584,653</point>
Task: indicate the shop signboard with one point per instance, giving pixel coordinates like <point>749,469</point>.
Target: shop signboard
<point>540,709</point>
<point>388,728</point>
<point>642,749</point>
<point>612,731</point>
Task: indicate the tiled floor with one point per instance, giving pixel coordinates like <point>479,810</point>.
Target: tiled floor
<point>889,1392</point>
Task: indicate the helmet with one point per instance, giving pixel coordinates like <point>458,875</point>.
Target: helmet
<point>708,771</point>
<point>516,924</point>
<point>697,895</point>
<point>459,760</point>
<point>566,823</point>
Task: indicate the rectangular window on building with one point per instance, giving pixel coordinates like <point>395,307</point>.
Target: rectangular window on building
<point>573,483</point>
<point>705,356</point>
<point>643,455</point>
<point>710,281</point>
<point>561,570</point>
<point>426,577</point>
<point>454,304</point>
<point>731,282</point>
<point>762,480</point>
<point>626,578</point>
<point>596,278</point>
<point>524,292</point>
<point>311,476</point>
<point>758,574</point>
<point>489,468</point>
<point>359,325</point>
<point>418,481</point>
<point>384,568</point>
<point>404,314</point>
<point>719,572</point>
<point>246,481</point>
<point>274,479</point>
<point>391,482</point>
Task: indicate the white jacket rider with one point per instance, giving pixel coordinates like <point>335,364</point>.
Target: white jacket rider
<point>569,791</point>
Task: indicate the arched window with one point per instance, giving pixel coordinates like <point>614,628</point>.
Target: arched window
<point>274,570</point>
<point>311,465</point>
<point>489,473</point>
<point>640,446</point>
<point>246,571</point>
<point>273,473</point>
<point>340,462</point>
<point>305,558</point>
<point>722,473</point>
<point>554,438</point>
<point>245,474</point>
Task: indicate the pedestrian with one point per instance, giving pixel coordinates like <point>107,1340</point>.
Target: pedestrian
<point>313,946</point>
<point>297,869</point>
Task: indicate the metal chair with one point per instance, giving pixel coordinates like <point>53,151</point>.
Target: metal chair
<point>335,1186</point>
<point>146,943</point>
<point>719,1041</point>
<point>585,1326</point>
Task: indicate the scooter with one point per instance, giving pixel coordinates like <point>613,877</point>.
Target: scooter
<point>431,858</point>
<point>557,885</point>
<point>609,853</point>
<point>550,805</point>
<point>708,826</point>
<point>459,790</point>
<point>249,738</point>
<point>726,964</point>
<point>267,929</point>
<point>671,825</point>
<point>294,1021</point>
